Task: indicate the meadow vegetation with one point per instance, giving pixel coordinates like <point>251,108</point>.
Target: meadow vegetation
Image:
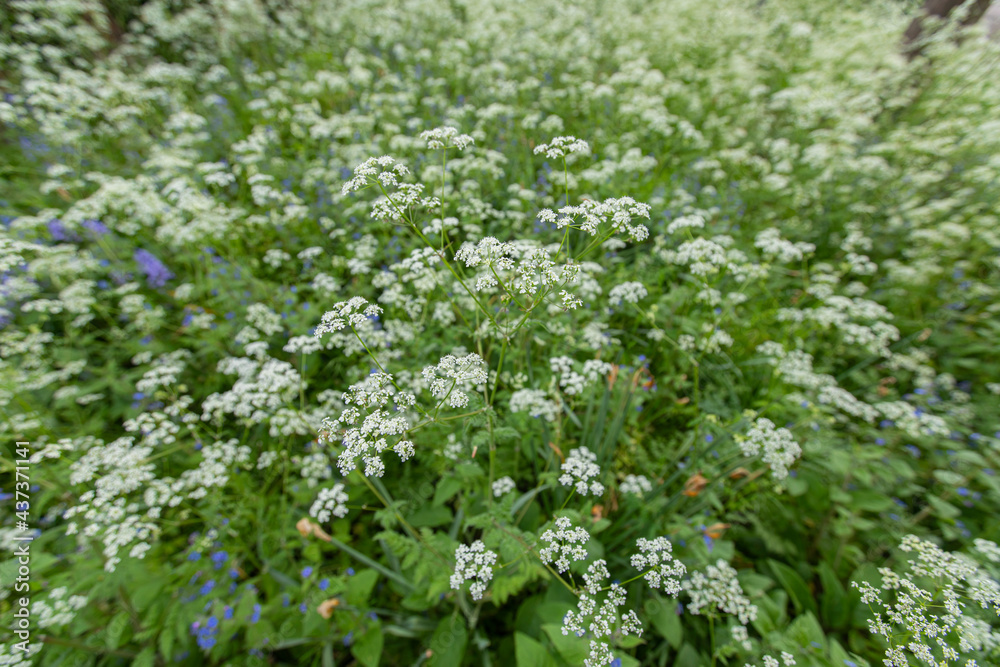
<point>478,332</point>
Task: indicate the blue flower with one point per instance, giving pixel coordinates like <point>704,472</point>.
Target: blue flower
<point>306,571</point>
<point>157,273</point>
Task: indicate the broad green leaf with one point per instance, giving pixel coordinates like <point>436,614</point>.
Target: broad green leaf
<point>531,653</point>
<point>367,647</point>
<point>796,587</point>
<point>663,615</point>
<point>359,587</point>
<point>448,643</point>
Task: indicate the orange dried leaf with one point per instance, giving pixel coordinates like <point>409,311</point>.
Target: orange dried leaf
<point>695,484</point>
<point>326,607</point>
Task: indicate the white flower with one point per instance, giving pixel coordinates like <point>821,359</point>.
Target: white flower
<point>502,486</point>
<point>365,424</point>
<point>636,484</point>
<point>718,588</point>
<point>453,377</point>
<point>604,622</point>
<point>663,571</point>
<point>330,502</point>
<point>353,312</point>
<point>630,292</point>
<point>580,467</point>
<point>446,137</point>
<point>565,544</point>
<point>534,402</point>
<point>383,170</point>
<point>560,147</point>
<point>780,449</point>
<point>473,563</point>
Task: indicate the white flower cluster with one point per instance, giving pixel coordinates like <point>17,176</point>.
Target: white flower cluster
<point>603,622</point>
<point>693,221</point>
<point>718,588</point>
<point>663,571</point>
<point>780,448</point>
<point>630,292</point>
<point>329,502</point>
<point>636,485</point>
<point>57,610</point>
<point>580,467</point>
<point>446,137</point>
<point>772,245</point>
<point>454,376</point>
<point>930,617</point>
<point>565,544</point>
<point>534,402</point>
<point>473,563</point>
<point>382,170</point>
<point>787,659</point>
<point>591,216</point>
<point>560,147</point>
<point>574,383</point>
<point>365,424</point>
<point>354,312</point>
<point>502,486</point>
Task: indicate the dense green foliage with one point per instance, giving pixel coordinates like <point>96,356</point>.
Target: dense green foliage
<point>722,273</point>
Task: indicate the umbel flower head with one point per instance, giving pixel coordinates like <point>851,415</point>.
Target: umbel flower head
<point>382,170</point>
<point>663,571</point>
<point>934,618</point>
<point>473,563</point>
<point>604,622</point>
<point>454,376</point>
<point>366,425</point>
<point>560,147</point>
<point>352,312</point>
<point>578,469</point>
<point>565,544</point>
<point>780,449</point>
<point>446,137</point>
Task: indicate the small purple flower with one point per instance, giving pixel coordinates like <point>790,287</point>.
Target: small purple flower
<point>58,230</point>
<point>95,227</point>
<point>306,572</point>
<point>157,273</point>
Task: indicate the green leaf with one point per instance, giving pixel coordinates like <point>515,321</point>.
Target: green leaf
<point>833,602</point>
<point>796,587</point>
<point>448,643</point>
<point>663,615</point>
<point>573,650</point>
<point>943,509</point>
<point>118,630</point>
<point>805,630</point>
<point>688,657</point>
<point>368,647</point>
<point>145,658</point>
<point>359,587</point>
<point>447,488</point>
<point>430,516</point>
<point>530,653</point>
<point>870,501</point>
<point>166,642</point>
